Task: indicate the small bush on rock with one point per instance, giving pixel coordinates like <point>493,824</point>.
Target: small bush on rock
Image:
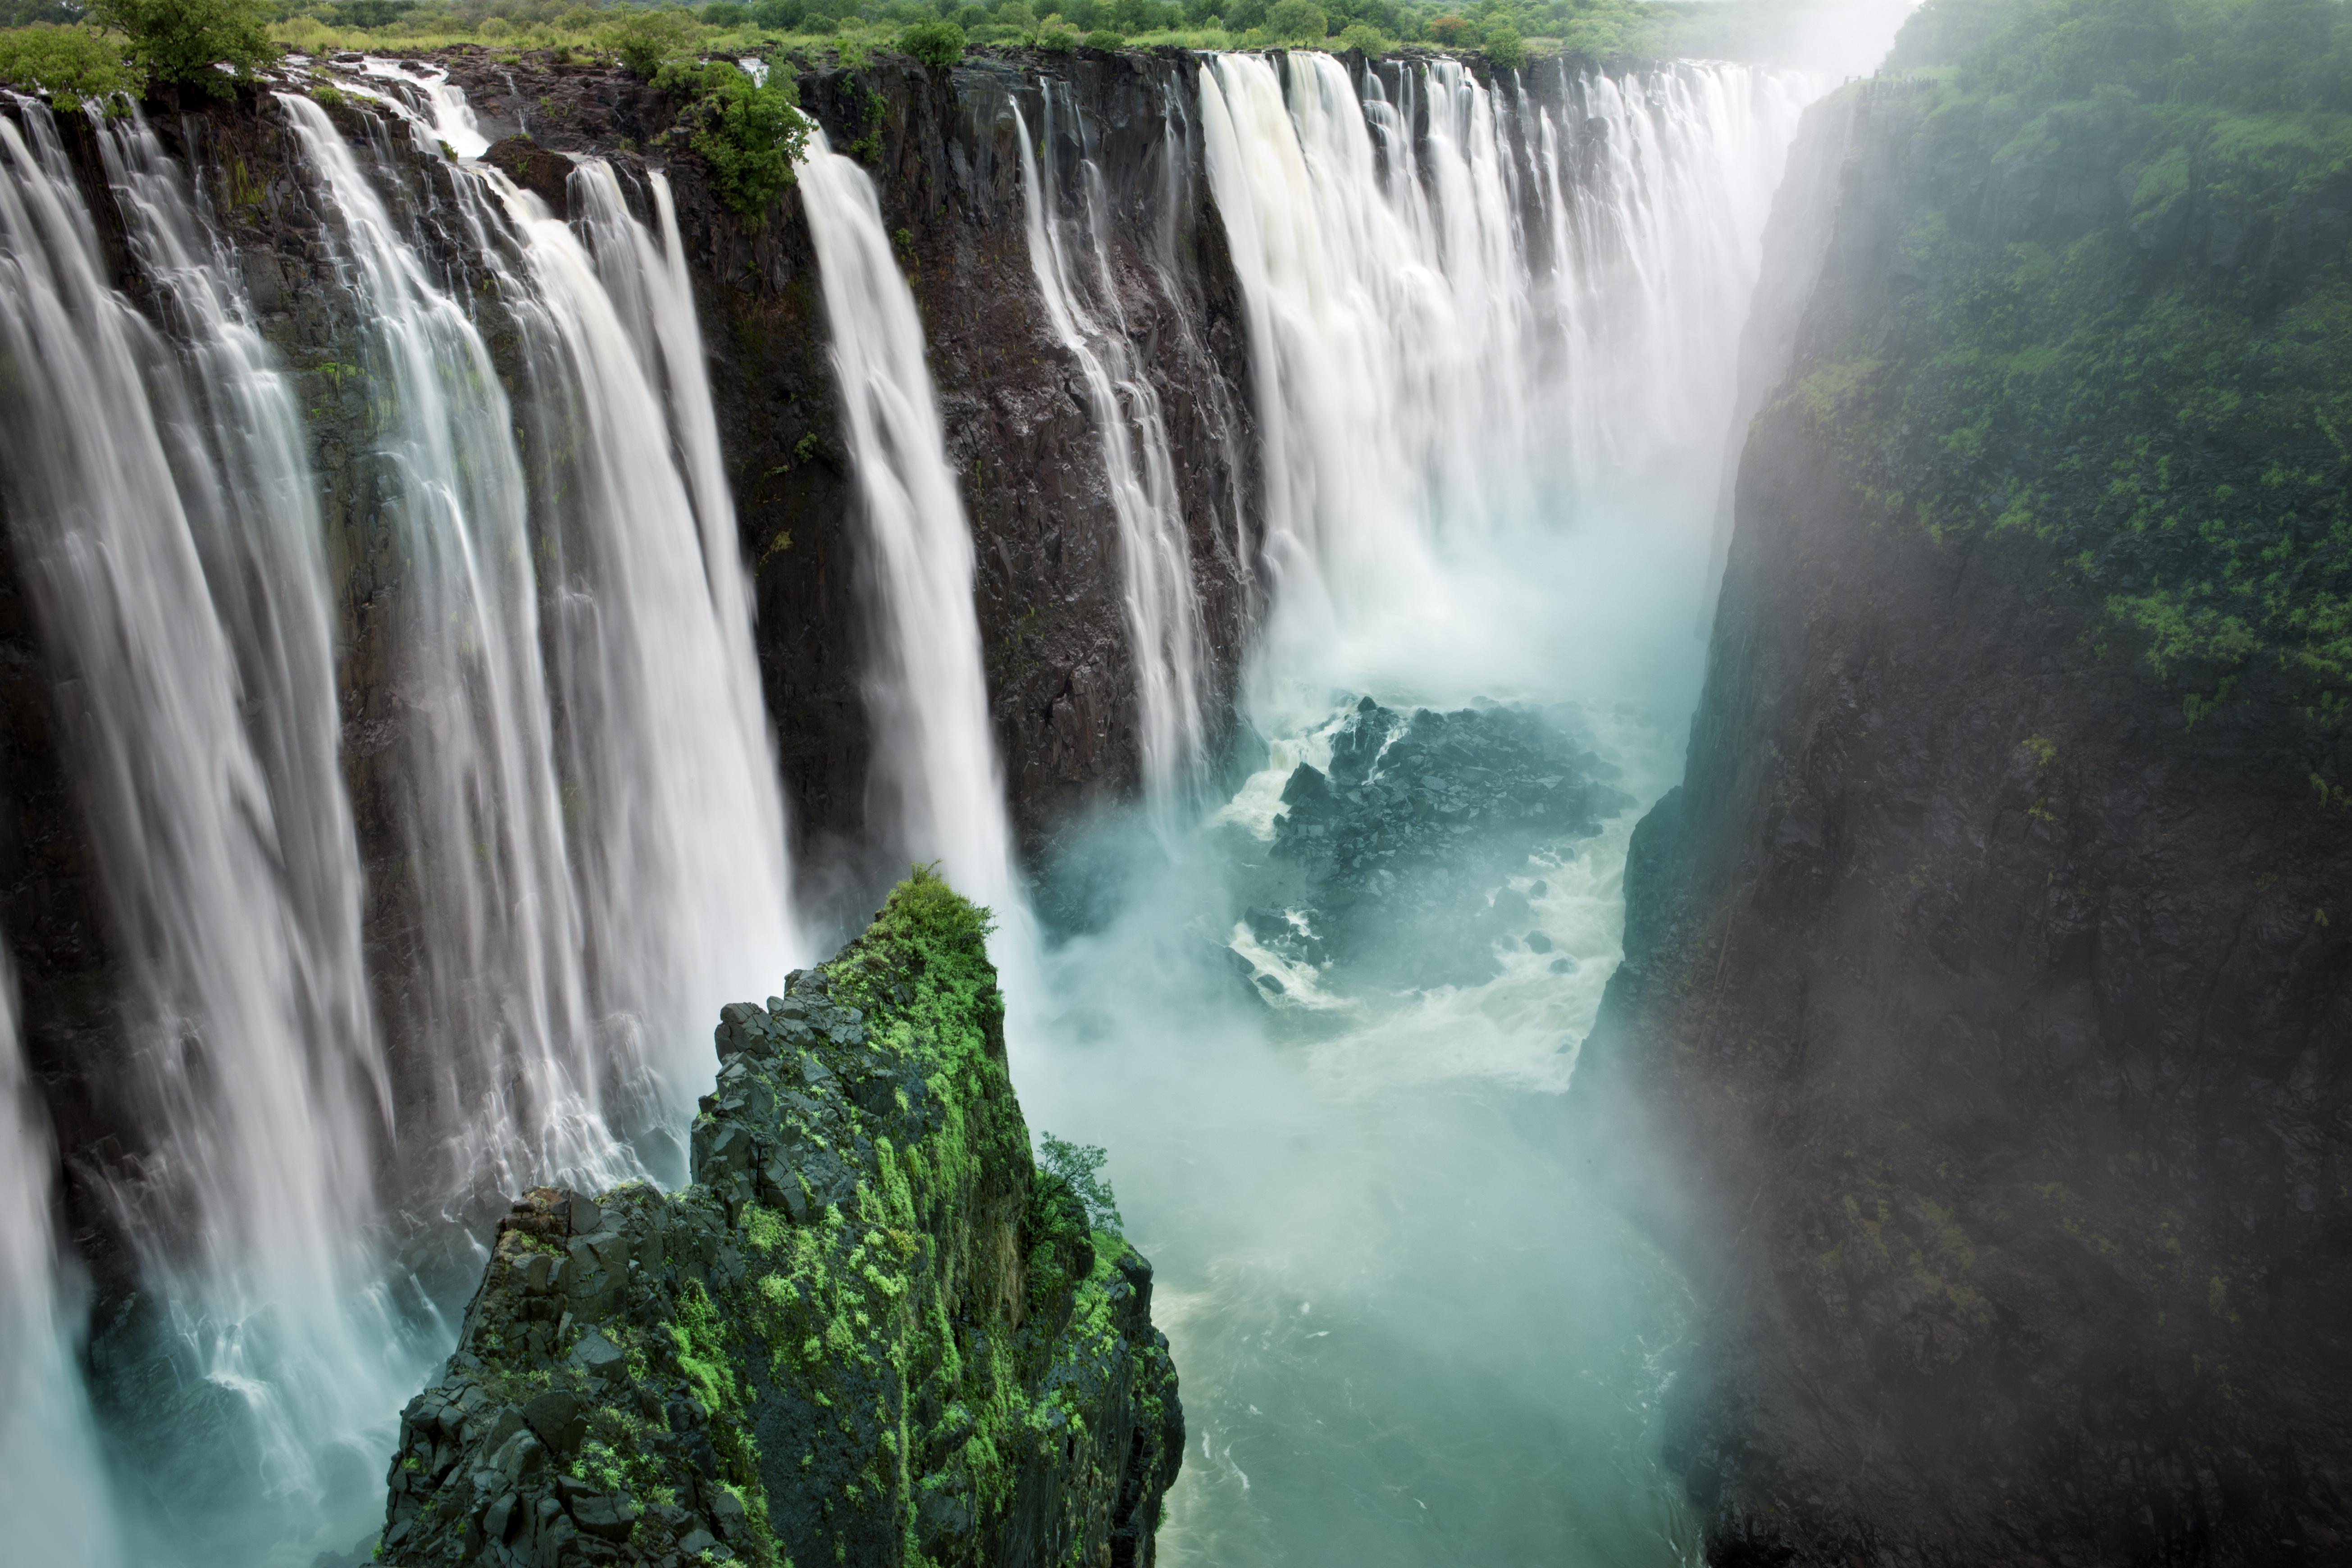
<point>1365,38</point>
<point>751,134</point>
<point>70,64</point>
<point>936,43</point>
<point>1104,38</point>
<point>182,40</point>
<point>1505,49</point>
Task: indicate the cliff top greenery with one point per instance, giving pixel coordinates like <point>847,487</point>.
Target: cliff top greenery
<point>2128,333</point>
<point>1508,32</point>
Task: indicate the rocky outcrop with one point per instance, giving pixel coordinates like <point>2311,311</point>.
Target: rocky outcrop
<point>870,1332</point>
<point>1985,1008</point>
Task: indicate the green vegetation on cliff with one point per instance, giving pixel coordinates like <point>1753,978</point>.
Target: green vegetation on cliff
<point>872,1331</point>
<point>2127,324</point>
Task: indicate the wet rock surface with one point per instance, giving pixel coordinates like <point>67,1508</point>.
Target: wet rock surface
<point>1395,863</point>
<point>939,146</point>
<point>870,1332</point>
<point>1986,1015</point>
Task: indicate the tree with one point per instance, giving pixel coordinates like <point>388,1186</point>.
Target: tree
<point>69,63</point>
<point>1365,38</point>
<point>936,43</point>
<point>1297,22</point>
<point>1076,1163</point>
<point>1505,49</point>
<point>750,134</point>
<point>647,39</point>
<point>182,40</point>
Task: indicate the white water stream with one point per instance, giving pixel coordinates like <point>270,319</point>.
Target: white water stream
<point>579,774</point>
<point>1163,621</point>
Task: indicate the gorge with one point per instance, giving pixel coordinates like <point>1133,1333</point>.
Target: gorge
<point>1325,555</point>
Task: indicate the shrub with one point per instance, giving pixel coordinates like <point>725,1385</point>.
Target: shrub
<point>1453,32</point>
<point>1505,49</point>
<point>1365,37</point>
<point>1054,40</point>
<point>182,40</point>
<point>750,134</point>
<point>647,39</point>
<point>1104,38</point>
<point>1076,1164</point>
<point>1297,21</point>
<point>69,63</point>
<point>936,43</point>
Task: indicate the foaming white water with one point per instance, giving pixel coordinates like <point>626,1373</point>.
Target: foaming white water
<point>50,1481</point>
<point>1433,366</point>
<point>1163,623</point>
<point>1653,188</point>
<point>477,798</point>
<point>1495,334</point>
<point>591,837</point>
<point>439,106</point>
<point>161,509</point>
<point>679,849</point>
<point>938,785</point>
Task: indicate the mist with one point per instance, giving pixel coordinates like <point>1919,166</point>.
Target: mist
<point>1409,1327</point>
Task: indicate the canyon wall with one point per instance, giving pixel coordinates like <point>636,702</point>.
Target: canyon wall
<point>1984,1010</point>
<point>942,149</point>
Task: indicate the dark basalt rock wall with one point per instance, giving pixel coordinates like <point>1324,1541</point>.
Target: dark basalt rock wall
<point>941,147</point>
<point>869,1332</point>
<point>1988,1017</point>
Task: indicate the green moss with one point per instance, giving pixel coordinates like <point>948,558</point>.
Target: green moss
<point>2156,397</point>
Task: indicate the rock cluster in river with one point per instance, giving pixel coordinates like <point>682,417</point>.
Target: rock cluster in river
<point>870,1332</point>
<point>1398,859</point>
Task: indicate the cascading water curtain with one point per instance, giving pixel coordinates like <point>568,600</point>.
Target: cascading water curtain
<point>583,813</point>
<point>1428,358</point>
<point>936,761</point>
<point>1163,623</point>
<point>142,471</point>
<point>639,872</point>
<point>50,1481</point>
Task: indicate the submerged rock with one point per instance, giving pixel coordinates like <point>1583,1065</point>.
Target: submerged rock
<point>871,1331</point>
<point>1398,861</point>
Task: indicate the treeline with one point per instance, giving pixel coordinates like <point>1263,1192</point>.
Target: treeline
<point>2244,55</point>
<point>1508,31</point>
<point>2152,376</point>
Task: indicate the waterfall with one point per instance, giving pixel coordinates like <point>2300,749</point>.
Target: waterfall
<point>1654,190</point>
<point>940,790</point>
<point>1163,623</point>
<point>48,1450</point>
<point>160,508</point>
<point>566,745</point>
<point>1475,310</point>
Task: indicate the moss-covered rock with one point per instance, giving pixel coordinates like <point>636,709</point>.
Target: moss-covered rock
<point>871,1331</point>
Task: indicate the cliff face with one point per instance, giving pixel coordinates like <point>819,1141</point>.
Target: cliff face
<point>940,145</point>
<point>870,1332</point>
<point>1985,999</point>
